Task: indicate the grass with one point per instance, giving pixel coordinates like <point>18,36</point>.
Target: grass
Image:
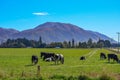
<point>15,63</point>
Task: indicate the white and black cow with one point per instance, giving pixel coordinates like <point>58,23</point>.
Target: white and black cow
<point>46,55</point>
<point>49,59</point>
<point>34,59</point>
<point>59,58</point>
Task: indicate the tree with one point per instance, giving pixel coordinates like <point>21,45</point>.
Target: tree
<point>94,45</point>
<point>89,43</point>
<point>73,43</point>
<point>84,45</point>
<point>107,43</point>
<point>79,44</point>
<point>100,43</point>
<point>54,45</point>
<point>40,40</point>
<point>69,44</point>
<point>65,44</point>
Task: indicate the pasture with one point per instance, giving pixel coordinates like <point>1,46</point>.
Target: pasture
<point>15,63</point>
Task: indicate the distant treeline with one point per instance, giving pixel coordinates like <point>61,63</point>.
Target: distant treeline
<point>23,43</point>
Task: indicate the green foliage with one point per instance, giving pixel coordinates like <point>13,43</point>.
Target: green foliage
<point>103,43</point>
<point>72,78</point>
<point>89,43</point>
<point>23,43</point>
<point>73,43</point>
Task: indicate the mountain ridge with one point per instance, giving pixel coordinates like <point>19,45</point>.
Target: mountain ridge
<point>59,32</point>
<point>5,33</point>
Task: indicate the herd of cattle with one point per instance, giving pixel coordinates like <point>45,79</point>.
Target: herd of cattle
<point>48,57</point>
<point>112,56</point>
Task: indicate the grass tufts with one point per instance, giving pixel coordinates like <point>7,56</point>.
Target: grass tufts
<point>83,77</point>
<point>60,77</point>
<point>35,78</point>
<point>105,77</point>
<point>72,78</point>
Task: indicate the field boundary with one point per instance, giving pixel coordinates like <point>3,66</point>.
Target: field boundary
<point>113,50</point>
<point>91,53</point>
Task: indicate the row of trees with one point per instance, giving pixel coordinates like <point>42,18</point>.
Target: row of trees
<point>88,44</point>
<point>23,42</point>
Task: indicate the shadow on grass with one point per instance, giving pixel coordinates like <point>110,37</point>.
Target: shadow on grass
<point>110,62</point>
<point>53,64</point>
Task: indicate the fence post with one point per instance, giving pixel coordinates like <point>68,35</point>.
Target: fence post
<point>38,70</point>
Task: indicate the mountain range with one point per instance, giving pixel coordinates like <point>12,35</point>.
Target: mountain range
<point>54,32</point>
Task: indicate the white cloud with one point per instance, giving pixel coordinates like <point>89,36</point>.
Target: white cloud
<point>40,13</point>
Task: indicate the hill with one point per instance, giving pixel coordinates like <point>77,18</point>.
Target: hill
<point>59,32</point>
<point>6,33</point>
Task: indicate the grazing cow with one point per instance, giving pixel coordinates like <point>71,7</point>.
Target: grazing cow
<point>42,54</point>
<point>102,56</point>
<point>113,56</point>
<point>49,59</point>
<point>46,55</point>
<point>34,59</point>
<point>82,58</point>
<point>59,57</point>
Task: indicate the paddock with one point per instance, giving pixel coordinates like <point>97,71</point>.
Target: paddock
<point>13,63</point>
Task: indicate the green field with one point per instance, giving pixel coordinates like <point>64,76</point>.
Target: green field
<point>15,63</point>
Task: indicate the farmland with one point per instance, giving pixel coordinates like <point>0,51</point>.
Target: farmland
<point>15,63</point>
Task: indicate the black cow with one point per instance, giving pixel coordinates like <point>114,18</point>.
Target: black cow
<point>34,59</point>
<point>82,58</point>
<point>42,54</point>
<point>113,56</point>
<point>46,55</point>
<point>103,56</point>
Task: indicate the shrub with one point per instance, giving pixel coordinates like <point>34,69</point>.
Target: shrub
<point>72,78</point>
<point>105,77</point>
<point>35,78</point>
<point>83,77</point>
<point>58,77</point>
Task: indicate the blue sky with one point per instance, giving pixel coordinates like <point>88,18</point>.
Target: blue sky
<point>97,15</point>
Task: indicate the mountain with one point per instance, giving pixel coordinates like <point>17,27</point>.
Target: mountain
<point>6,33</point>
<point>102,36</point>
<point>59,32</point>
